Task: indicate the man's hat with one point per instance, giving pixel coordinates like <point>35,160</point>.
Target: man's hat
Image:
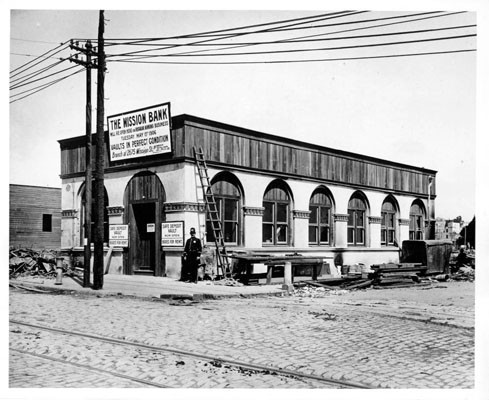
<point>192,230</point>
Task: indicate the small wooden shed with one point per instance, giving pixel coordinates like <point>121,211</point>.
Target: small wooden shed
<point>434,254</point>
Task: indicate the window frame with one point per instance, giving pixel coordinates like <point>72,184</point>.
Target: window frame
<point>354,229</point>
<point>221,201</point>
<point>388,230</point>
<point>316,224</point>
<point>47,222</point>
<point>416,222</point>
<point>275,224</point>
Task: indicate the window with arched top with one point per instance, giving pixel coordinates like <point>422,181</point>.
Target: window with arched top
<point>93,216</point>
<point>228,202</point>
<point>320,207</point>
<point>357,213</point>
<point>388,223</point>
<point>416,221</point>
<point>276,218</point>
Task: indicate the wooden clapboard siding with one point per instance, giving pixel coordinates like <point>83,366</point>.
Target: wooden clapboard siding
<point>235,147</point>
<point>27,206</point>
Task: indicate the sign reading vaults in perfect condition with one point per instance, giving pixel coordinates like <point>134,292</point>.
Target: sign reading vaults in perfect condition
<point>139,133</point>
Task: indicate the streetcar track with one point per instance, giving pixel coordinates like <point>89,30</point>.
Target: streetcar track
<point>421,315</point>
<point>239,364</point>
<point>92,369</point>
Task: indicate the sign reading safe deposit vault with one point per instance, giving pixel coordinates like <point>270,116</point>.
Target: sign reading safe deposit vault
<point>144,132</point>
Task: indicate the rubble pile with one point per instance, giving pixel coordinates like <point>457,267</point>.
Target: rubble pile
<point>24,262</point>
<point>227,282</point>
<point>312,289</point>
<point>465,273</point>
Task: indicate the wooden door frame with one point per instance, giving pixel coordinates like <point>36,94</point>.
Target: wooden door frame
<point>157,236</point>
<point>159,268</point>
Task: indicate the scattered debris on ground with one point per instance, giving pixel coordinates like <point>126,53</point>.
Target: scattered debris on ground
<point>323,315</point>
<point>465,273</point>
<point>226,282</point>
<point>382,276</point>
<point>23,262</point>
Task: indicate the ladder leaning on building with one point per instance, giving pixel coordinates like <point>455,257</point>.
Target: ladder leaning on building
<point>213,214</point>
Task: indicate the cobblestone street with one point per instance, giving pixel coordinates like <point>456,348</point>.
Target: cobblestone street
<point>351,338</point>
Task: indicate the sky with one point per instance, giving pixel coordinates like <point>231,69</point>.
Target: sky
<point>417,110</point>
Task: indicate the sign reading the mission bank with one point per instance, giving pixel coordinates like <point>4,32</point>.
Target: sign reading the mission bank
<point>140,133</point>
<point>118,235</point>
<point>172,234</point>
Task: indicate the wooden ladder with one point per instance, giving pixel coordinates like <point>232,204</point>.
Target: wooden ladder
<point>213,213</point>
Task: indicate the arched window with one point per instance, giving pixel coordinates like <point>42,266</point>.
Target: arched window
<point>94,216</point>
<point>276,215</point>
<point>388,224</point>
<point>226,190</point>
<point>320,206</point>
<point>416,221</point>
<point>357,209</point>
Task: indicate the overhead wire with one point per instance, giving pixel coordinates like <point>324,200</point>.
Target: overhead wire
<point>296,61</point>
<point>192,35</point>
<point>383,25</point>
<point>349,22</point>
<point>301,39</point>
<point>292,41</point>
<point>38,72</point>
<point>322,48</point>
<point>271,30</point>
<point>42,56</point>
<point>43,86</point>
<point>33,41</point>
<point>40,79</point>
<point>235,35</point>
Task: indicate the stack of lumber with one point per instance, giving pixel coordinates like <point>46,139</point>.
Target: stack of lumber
<point>397,274</point>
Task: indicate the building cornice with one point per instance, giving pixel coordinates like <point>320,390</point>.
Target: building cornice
<point>184,207</point>
<point>301,214</point>
<point>374,220</point>
<point>255,211</point>
<point>69,213</point>
<point>115,210</point>
<point>341,217</point>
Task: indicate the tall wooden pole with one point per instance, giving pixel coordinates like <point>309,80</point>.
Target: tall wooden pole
<point>88,172</point>
<point>98,261</point>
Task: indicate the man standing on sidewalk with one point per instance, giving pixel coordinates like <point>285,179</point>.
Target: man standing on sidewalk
<point>191,256</point>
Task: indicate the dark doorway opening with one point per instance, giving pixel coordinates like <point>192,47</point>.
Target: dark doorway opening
<point>143,239</point>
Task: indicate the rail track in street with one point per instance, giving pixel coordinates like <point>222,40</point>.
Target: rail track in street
<point>244,368</point>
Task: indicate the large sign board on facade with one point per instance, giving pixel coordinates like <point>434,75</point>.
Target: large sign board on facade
<point>118,235</point>
<point>140,133</point>
<point>172,234</point>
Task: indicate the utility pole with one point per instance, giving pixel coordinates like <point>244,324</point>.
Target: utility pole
<point>88,51</point>
<point>98,261</point>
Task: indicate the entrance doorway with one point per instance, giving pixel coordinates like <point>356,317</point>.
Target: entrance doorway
<point>143,213</point>
<point>142,256</point>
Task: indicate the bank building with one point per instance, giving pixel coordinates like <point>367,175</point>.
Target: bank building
<point>274,197</point>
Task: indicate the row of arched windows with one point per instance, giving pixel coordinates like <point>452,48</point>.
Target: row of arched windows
<point>276,222</point>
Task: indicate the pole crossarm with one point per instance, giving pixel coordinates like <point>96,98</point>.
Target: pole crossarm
<point>89,51</point>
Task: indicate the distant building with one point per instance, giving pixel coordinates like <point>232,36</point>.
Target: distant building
<point>35,217</point>
<point>448,229</point>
